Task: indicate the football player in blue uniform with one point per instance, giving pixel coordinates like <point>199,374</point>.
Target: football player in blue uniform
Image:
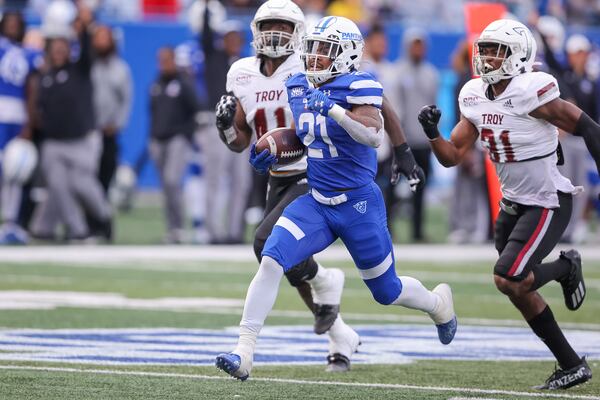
<point>18,65</point>
<point>337,114</point>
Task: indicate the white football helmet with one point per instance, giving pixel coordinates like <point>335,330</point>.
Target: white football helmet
<point>195,15</point>
<point>515,46</point>
<point>57,20</point>
<point>277,44</point>
<point>19,160</point>
<point>335,38</point>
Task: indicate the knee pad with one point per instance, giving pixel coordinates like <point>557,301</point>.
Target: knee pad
<point>302,272</point>
<point>385,288</point>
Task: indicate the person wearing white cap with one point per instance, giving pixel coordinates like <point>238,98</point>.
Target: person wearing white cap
<point>226,203</point>
<point>585,94</point>
<point>417,86</point>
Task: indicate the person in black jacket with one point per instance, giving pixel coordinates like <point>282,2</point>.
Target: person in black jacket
<point>225,221</point>
<point>71,146</point>
<point>578,87</point>
<point>173,108</point>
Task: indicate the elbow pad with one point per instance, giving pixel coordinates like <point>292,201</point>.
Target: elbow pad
<point>368,136</point>
<point>589,130</point>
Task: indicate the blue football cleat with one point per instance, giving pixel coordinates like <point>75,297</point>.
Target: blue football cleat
<point>231,363</point>
<point>12,235</point>
<point>447,331</point>
<point>443,316</point>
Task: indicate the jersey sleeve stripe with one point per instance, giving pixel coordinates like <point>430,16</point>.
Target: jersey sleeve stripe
<point>375,100</point>
<point>548,93</point>
<point>366,84</point>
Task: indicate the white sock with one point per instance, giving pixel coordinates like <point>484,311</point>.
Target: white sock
<point>416,296</point>
<point>320,277</point>
<point>260,299</point>
<point>342,338</point>
<point>324,288</point>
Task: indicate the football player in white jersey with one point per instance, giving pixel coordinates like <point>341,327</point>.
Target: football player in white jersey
<point>256,103</point>
<point>516,113</point>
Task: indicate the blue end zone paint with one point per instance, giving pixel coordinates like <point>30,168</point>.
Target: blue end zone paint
<point>382,344</point>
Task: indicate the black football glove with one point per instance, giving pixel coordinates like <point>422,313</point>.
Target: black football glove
<point>404,163</point>
<point>225,110</point>
<point>429,116</point>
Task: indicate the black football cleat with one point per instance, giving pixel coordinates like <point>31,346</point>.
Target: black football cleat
<point>325,316</point>
<point>561,379</point>
<point>337,363</point>
<point>573,286</point>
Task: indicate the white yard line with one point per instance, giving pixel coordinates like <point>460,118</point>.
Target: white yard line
<point>471,398</point>
<point>111,254</point>
<point>303,382</point>
<point>48,299</point>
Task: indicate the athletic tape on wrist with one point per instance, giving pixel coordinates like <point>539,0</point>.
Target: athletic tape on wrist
<point>230,134</point>
<point>337,113</point>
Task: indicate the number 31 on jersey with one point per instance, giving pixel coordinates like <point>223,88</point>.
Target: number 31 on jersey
<point>498,144</point>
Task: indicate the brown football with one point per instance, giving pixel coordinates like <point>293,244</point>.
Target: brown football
<point>282,142</point>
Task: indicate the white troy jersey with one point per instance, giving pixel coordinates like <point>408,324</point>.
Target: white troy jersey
<point>264,98</point>
<point>523,148</point>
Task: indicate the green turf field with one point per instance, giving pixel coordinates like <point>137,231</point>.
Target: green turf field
<point>145,225</point>
<point>132,295</point>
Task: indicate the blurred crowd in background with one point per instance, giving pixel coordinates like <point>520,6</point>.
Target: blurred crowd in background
<point>447,13</point>
<point>66,96</point>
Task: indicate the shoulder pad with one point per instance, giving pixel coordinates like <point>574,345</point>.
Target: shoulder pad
<point>298,79</point>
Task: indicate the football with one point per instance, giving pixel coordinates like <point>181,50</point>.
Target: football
<point>282,142</point>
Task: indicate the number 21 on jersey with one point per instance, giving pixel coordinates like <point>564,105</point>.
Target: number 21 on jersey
<point>314,125</point>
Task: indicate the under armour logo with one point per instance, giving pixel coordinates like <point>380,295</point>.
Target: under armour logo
<point>361,207</point>
<point>327,92</point>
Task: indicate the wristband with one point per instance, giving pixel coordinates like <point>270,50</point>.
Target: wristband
<point>230,134</point>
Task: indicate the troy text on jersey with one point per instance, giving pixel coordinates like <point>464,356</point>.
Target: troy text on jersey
<point>268,95</point>
<point>494,119</point>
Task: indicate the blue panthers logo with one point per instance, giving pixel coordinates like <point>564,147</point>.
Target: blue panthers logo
<point>14,67</point>
<point>324,24</point>
<point>361,207</point>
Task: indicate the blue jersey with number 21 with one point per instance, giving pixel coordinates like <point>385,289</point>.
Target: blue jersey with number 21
<point>335,160</point>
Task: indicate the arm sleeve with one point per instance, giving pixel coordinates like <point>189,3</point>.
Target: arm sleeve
<point>542,89</point>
